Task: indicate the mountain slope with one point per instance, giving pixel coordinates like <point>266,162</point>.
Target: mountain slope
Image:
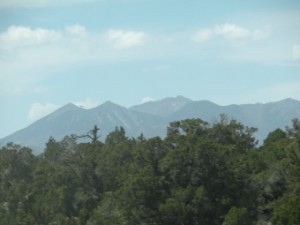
<point>71,119</point>
<point>55,124</point>
<point>266,117</point>
<point>151,119</point>
<point>108,116</point>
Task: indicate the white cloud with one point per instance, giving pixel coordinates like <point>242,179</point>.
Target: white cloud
<point>147,99</point>
<point>38,110</point>
<point>28,55</point>
<point>230,32</point>
<point>21,36</point>
<point>122,39</point>
<point>87,103</point>
<point>10,89</point>
<point>26,48</point>
<point>77,30</point>
<point>202,35</point>
<point>296,52</point>
<point>38,49</point>
<point>260,34</point>
<point>17,36</point>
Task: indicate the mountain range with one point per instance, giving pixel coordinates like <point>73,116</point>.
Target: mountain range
<point>151,119</point>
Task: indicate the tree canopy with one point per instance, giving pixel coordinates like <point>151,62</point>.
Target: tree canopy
<point>199,174</point>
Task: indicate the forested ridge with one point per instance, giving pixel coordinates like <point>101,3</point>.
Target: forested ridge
<point>200,174</point>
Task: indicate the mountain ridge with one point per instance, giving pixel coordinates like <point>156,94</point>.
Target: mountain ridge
<point>170,104</point>
<point>151,118</point>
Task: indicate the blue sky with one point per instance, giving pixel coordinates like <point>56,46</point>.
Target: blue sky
<point>129,51</point>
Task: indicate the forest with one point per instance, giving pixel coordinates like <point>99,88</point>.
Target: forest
<point>199,174</point>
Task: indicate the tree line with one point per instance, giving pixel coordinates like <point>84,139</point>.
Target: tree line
<point>200,174</point>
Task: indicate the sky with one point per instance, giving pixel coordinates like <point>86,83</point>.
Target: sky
<point>53,52</point>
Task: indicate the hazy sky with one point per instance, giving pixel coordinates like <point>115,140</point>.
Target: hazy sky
<point>128,51</point>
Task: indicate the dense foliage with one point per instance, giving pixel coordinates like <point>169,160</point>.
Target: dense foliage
<point>199,174</point>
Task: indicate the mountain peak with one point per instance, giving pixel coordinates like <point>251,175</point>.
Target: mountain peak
<point>290,100</point>
<point>68,107</point>
<point>180,97</point>
<point>164,107</point>
<point>175,99</point>
<point>108,105</point>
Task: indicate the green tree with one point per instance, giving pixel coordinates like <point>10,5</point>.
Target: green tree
<point>237,216</point>
<point>287,211</point>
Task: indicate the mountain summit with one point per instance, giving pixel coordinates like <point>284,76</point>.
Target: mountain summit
<point>164,107</point>
<point>151,119</point>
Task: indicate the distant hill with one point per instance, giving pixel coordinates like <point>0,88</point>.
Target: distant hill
<point>151,119</point>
